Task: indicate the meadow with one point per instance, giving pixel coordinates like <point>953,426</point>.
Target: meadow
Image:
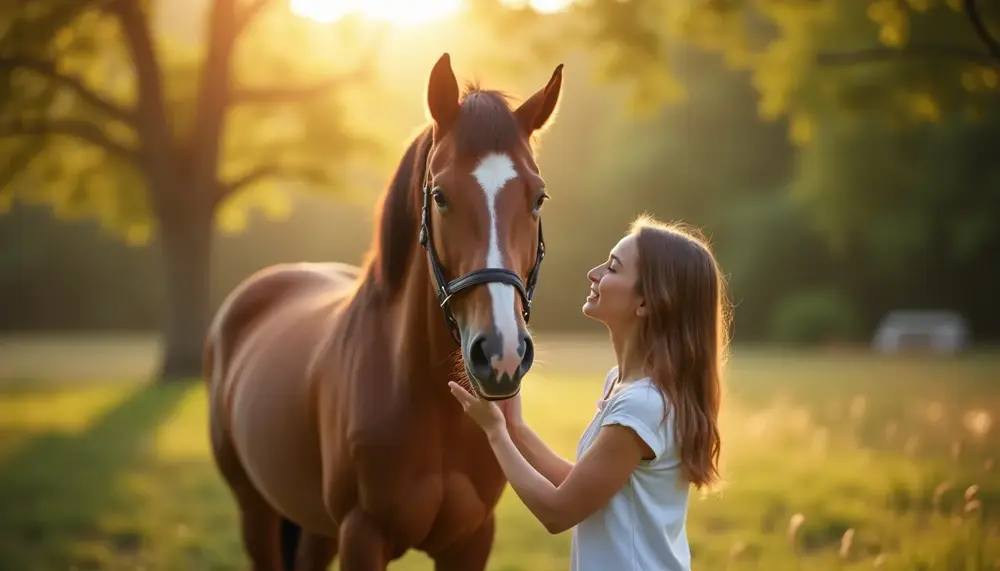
<point>832,460</point>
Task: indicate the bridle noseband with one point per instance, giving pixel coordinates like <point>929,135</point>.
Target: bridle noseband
<point>446,289</point>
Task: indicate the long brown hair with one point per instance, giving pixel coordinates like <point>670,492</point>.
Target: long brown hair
<point>686,335</point>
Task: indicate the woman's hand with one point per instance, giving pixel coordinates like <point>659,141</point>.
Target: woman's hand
<point>486,414</point>
<point>511,409</point>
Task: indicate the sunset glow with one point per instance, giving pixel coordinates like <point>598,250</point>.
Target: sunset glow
<point>400,12</point>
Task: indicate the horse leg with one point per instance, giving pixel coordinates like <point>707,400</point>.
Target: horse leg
<point>470,554</point>
<point>260,524</point>
<point>363,547</point>
<point>260,527</point>
<point>315,552</point>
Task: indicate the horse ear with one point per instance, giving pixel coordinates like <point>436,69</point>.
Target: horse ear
<point>534,113</point>
<point>442,93</point>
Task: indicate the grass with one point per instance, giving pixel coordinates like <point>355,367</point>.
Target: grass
<point>831,462</point>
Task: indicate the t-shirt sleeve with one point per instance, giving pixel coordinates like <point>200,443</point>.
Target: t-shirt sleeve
<point>641,409</point>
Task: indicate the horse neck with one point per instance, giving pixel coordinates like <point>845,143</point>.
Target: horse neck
<point>416,328</point>
<point>421,334</point>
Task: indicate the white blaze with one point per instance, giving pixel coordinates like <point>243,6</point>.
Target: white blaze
<point>492,173</point>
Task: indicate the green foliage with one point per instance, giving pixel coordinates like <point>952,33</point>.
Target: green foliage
<point>903,193</point>
<point>889,60</point>
<point>889,104</point>
<point>79,95</point>
<point>72,174</point>
<point>769,249</point>
<point>814,317</point>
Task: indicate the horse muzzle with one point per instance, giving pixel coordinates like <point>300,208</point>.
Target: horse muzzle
<point>496,366</point>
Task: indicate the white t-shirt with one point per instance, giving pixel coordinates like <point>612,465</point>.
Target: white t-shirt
<point>643,527</point>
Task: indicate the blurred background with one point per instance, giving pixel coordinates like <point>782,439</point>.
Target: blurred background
<point>841,156</point>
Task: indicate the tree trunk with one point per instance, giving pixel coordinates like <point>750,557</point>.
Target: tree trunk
<point>186,240</point>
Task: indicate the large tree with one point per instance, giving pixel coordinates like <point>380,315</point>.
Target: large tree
<point>892,106</point>
<point>803,56</point>
<point>105,113</point>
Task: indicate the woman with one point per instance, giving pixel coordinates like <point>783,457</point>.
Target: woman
<point>660,294</point>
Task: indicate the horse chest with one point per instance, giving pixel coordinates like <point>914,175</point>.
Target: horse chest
<point>431,496</point>
<point>441,509</point>
<point>471,484</point>
<point>464,506</point>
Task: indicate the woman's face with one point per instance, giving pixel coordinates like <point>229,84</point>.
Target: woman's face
<point>614,299</point>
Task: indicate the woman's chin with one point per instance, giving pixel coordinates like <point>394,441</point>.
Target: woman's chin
<point>589,306</point>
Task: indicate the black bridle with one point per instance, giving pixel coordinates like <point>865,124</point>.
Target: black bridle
<point>446,289</point>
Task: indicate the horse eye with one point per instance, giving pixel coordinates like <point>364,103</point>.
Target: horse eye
<point>439,199</point>
<point>541,200</point>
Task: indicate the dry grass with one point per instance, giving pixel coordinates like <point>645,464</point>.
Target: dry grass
<point>831,462</point>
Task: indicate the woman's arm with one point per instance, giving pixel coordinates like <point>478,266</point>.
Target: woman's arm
<point>589,484</point>
<point>628,434</point>
<point>552,466</point>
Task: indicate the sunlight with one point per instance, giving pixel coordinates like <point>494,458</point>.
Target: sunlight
<point>403,12</point>
<point>400,12</point>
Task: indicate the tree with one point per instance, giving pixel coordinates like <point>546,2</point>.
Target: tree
<point>891,105</point>
<point>105,115</point>
<point>804,55</point>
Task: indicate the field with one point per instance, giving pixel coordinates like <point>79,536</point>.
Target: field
<point>832,461</point>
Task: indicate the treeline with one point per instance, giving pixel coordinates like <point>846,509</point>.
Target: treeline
<point>814,250</point>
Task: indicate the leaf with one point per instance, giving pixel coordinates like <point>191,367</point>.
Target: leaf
<point>926,107</point>
<point>893,34</point>
<point>989,77</point>
<point>137,235</point>
<point>800,130</point>
<point>232,217</point>
<point>273,203</point>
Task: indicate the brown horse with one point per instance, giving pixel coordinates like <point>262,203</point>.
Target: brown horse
<point>329,404</point>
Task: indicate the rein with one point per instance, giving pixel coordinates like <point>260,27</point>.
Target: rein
<point>446,289</point>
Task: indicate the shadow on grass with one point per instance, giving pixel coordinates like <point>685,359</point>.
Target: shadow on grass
<point>55,488</point>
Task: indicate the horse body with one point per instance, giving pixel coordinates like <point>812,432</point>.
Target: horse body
<point>328,398</point>
<point>394,452</point>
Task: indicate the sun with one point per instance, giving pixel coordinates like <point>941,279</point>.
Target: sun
<point>403,12</point>
<point>400,12</point>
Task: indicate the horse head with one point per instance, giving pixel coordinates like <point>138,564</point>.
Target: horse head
<point>481,222</point>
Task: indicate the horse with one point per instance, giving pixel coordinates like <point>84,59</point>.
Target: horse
<point>329,411</point>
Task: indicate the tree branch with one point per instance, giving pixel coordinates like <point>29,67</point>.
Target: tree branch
<point>135,28</point>
<point>882,53</point>
<point>256,174</point>
<point>265,95</point>
<point>976,20</point>
<point>48,69</point>
<point>247,15</point>
<point>158,153</point>
<point>990,57</point>
<point>82,130</point>
<point>19,160</point>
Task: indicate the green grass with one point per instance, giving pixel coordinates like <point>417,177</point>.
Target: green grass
<point>118,475</point>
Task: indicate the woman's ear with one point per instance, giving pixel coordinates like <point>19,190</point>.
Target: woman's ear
<point>643,309</point>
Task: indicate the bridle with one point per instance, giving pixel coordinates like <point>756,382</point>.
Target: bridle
<point>446,289</point>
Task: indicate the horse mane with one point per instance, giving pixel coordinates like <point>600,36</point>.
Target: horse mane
<point>485,123</point>
<point>395,235</point>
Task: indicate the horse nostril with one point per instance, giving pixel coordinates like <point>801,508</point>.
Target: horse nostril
<point>527,351</point>
<point>479,362</point>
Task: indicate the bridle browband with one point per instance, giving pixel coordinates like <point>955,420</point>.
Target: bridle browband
<point>446,289</point>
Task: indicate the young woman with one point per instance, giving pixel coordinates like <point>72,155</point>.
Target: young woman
<point>661,296</point>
